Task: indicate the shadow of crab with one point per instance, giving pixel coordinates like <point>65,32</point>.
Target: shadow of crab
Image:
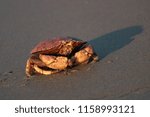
<point>108,43</point>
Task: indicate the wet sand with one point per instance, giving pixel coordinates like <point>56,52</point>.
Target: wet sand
<point>118,31</point>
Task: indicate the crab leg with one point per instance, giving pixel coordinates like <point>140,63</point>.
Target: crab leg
<point>44,72</point>
<point>29,68</point>
<point>30,63</point>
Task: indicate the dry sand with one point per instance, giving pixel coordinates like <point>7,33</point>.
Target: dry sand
<point>118,30</point>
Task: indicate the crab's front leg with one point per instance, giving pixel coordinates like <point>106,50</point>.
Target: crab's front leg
<point>33,60</point>
<point>84,56</point>
<point>55,62</point>
<point>42,71</point>
<point>29,68</point>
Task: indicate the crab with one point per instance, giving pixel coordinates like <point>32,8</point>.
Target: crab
<point>57,54</point>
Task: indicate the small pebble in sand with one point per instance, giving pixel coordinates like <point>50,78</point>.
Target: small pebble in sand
<point>10,72</point>
<point>110,61</point>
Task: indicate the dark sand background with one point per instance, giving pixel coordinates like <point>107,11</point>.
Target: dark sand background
<point>119,31</point>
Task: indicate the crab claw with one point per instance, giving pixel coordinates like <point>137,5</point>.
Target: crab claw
<point>84,55</point>
<point>54,62</point>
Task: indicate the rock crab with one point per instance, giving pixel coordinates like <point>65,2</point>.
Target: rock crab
<point>57,54</point>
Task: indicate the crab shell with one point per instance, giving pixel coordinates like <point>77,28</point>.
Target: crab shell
<point>57,46</point>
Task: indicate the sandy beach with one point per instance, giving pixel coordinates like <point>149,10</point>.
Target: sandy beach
<point>118,30</point>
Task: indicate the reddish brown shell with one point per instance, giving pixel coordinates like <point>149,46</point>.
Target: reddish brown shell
<point>53,46</point>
